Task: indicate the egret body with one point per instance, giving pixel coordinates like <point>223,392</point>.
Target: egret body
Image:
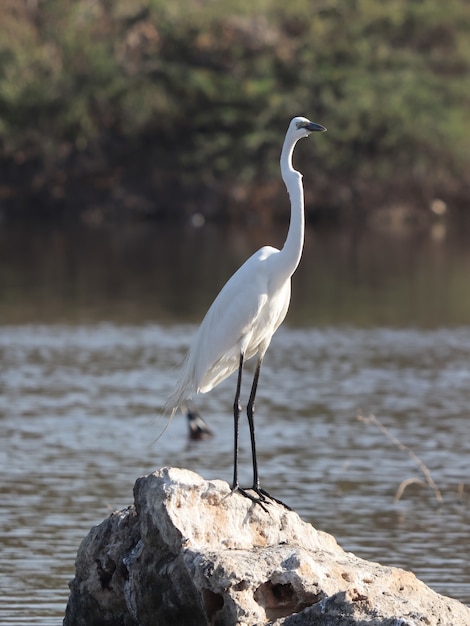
<point>248,310</point>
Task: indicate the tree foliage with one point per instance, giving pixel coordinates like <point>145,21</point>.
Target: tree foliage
<point>196,94</point>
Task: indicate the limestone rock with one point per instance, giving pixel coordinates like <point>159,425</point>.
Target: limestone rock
<point>191,553</point>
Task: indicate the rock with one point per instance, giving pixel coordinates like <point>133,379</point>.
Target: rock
<point>191,553</point>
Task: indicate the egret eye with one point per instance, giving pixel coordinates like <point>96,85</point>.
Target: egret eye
<point>300,125</point>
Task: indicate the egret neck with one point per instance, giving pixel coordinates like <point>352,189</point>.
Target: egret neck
<point>289,256</point>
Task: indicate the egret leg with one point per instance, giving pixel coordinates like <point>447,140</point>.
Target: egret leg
<point>250,412</point>
<point>251,423</point>
<point>236,419</point>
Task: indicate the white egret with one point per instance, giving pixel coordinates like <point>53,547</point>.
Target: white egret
<point>248,310</point>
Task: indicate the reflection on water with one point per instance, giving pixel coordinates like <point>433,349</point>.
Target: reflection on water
<point>147,273</point>
<point>374,327</point>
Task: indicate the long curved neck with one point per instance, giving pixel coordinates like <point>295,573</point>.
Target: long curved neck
<point>292,249</point>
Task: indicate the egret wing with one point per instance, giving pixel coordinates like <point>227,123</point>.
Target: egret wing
<point>228,326</point>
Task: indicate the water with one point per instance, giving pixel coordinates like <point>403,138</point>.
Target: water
<point>85,370</point>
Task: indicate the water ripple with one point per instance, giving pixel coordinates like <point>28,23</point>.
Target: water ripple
<point>79,407</point>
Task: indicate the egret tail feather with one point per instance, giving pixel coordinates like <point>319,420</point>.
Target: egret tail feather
<point>171,415</point>
<point>177,399</point>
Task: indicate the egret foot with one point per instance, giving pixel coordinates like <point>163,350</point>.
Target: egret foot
<point>259,499</point>
<point>265,494</point>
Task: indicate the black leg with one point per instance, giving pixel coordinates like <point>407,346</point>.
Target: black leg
<point>259,499</point>
<point>236,419</point>
<point>249,411</point>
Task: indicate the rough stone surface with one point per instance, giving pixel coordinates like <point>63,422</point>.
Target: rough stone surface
<point>191,553</point>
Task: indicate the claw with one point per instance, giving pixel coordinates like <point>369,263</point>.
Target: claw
<point>260,499</point>
<point>265,494</point>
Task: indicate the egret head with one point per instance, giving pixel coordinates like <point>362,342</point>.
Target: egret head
<point>302,127</point>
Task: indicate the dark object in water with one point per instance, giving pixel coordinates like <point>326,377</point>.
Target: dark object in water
<point>198,429</point>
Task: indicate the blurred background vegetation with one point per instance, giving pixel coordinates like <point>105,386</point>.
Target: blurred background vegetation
<point>151,108</point>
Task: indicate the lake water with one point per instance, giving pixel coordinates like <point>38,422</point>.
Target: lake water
<point>94,322</point>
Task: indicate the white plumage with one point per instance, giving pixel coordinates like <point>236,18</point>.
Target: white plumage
<point>248,310</point>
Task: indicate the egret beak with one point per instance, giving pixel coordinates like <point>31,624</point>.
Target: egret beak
<point>312,126</point>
